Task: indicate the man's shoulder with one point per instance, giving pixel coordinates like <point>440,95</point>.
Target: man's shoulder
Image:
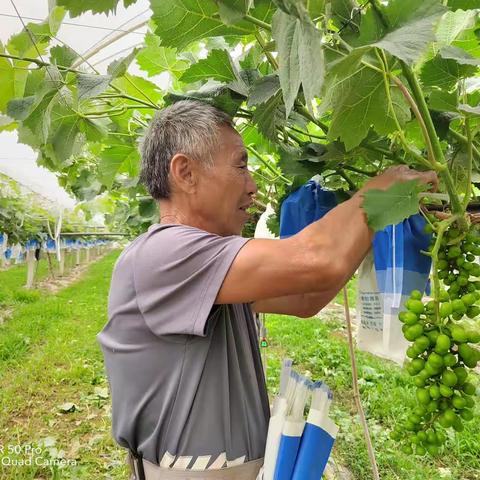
<point>151,233</point>
<point>159,239</point>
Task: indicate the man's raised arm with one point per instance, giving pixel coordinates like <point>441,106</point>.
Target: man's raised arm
<point>320,258</point>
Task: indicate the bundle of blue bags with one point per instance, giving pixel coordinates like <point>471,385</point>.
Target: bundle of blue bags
<point>299,448</point>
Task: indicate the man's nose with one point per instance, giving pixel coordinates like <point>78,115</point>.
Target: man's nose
<point>252,186</point>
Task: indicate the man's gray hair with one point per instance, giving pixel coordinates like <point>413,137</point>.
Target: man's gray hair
<point>190,127</point>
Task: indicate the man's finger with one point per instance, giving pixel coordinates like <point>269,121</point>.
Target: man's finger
<point>430,177</point>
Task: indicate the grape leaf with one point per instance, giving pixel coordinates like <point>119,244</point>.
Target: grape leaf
<point>242,6</point>
<point>35,110</point>
<point>217,65</point>
<point>251,58</point>
<point>443,101</point>
<point>21,43</point>
<point>119,67</point>
<point>38,118</point>
<point>444,73</point>
<point>20,108</point>
<point>228,14</point>
<point>372,29</point>
<point>180,22</point>
<point>252,136</point>
<point>293,7</point>
<point>7,76</point>
<point>13,75</point>
<point>292,164</point>
<point>316,8</point>
<point>231,11</point>
<point>464,4</point>
<point>452,24</point>
<point>358,102</point>
<point>285,33</point>
<point>91,85</point>
<point>263,89</point>
<point>155,59</point>
<point>391,206</point>
<point>249,77</point>
<point>468,39</point>
<point>343,66</point>
<point>300,58</point>
<point>138,87</point>
<point>269,115</point>
<point>239,85</point>
<point>343,12</point>
<point>65,132</point>
<point>219,96</point>
<point>87,186</point>
<point>93,129</point>
<point>76,8</point>
<point>62,55</point>
<point>460,56</point>
<point>117,158</point>
<point>35,82</point>
<point>312,63</point>
<point>411,27</point>
<point>147,208</point>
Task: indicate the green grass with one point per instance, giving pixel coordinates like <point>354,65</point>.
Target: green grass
<point>12,283</point>
<point>387,395</point>
<point>14,278</point>
<point>48,357</point>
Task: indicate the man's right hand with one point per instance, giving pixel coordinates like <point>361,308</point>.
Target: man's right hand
<point>398,174</point>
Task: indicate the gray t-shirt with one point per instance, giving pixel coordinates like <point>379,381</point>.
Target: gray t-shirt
<point>185,375</point>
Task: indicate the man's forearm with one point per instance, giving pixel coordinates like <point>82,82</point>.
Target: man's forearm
<point>315,301</point>
<point>342,235</point>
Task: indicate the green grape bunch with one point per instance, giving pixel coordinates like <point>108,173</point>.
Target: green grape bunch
<point>443,349</point>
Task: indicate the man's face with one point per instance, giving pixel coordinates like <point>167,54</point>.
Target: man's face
<point>226,189</point>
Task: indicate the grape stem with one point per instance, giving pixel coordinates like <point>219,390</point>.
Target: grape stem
<point>468,190</point>
<point>425,216</point>
<point>430,423</point>
<point>442,227</point>
<point>439,158</point>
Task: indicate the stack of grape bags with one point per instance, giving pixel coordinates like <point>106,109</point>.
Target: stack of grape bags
<point>298,448</point>
<point>394,267</point>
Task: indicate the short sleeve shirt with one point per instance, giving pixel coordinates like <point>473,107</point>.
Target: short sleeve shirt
<point>185,375</point>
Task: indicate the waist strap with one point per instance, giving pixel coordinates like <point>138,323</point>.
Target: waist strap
<point>145,470</point>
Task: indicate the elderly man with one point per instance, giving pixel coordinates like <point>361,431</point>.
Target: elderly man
<point>188,392</point>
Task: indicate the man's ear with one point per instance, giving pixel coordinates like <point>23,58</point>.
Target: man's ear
<point>183,173</point>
